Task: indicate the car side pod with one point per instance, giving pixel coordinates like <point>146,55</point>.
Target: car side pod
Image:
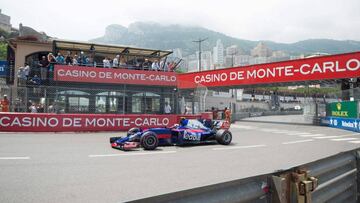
<point>223,137</point>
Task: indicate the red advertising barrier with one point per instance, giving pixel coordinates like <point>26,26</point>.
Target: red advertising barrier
<point>41,122</point>
<point>113,76</point>
<point>317,68</point>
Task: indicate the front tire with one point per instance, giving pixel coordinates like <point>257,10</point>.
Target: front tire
<point>223,137</point>
<point>149,141</point>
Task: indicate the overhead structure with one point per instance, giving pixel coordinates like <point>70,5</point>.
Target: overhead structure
<point>108,49</point>
<point>317,70</point>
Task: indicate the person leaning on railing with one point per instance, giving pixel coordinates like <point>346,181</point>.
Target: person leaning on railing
<point>115,63</point>
<point>146,64</point>
<point>44,67</point>
<point>52,60</point>
<point>75,60</point>
<point>68,59</point>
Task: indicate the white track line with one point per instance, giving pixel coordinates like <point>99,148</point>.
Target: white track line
<point>239,147</point>
<point>130,154</point>
<point>269,130</point>
<point>312,135</point>
<point>282,132</point>
<point>246,127</point>
<point>301,133</point>
<point>15,158</point>
<point>336,136</point>
<point>344,139</point>
<point>298,141</point>
<point>328,137</point>
<point>355,142</point>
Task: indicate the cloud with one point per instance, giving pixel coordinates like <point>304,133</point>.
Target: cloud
<point>277,20</point>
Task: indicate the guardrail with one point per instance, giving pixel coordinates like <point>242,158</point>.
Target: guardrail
<point>241,115</point>
<point>253,189</point>
<point>333,179</point>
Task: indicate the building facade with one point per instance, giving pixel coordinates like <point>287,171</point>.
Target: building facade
<point>5,22</point>
<point>218,54</point>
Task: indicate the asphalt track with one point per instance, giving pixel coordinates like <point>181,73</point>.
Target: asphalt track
<point>81,167</point>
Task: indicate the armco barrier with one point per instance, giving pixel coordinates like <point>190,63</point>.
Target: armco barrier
<point>336,178</point>
<point>43,122</point>
<point>246,190</point>
<point>332,179</point>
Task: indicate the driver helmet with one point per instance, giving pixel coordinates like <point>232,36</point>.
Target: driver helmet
<point>183,121</point>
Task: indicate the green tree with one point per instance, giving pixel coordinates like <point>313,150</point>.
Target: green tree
<point>3,51</point>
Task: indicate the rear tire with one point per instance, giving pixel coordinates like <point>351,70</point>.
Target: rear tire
<point>149,141</point>
<point>223,137</point>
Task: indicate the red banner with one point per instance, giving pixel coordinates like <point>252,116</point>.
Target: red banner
<point>41,122</point>
<point>317,68</point>
<point>113,76</point>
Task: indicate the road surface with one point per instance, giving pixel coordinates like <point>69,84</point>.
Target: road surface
<point>81,167</point>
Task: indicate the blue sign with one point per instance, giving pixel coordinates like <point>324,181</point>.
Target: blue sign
<point>4,69</point>
<point>352,124</point>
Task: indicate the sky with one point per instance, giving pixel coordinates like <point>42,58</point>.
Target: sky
<point>284,21</point>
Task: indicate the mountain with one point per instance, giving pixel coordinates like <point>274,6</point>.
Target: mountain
<point>165,37</point>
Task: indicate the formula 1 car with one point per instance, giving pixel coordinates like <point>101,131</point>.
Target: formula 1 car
<point>190,131</point>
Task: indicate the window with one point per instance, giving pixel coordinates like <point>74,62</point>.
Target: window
<point>152,102</point>
<point>78,104</point>
<point>113,104</point>
<point>74,92</point>
<point>136,103</point>
<point>100,104</point>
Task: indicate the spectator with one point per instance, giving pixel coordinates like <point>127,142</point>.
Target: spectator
<point>4,104</point>
<point>52,62</point>
<point>51,108</point>
<point>214,112</point>
<point>21,76</point>
<point>138,63</point>
<point>75,60</point>
<point>68,59</point>
<point>60,59</point>
<point>187,110</point>
<point>106,63</point>
<point>89,61</point>
<point>33,108</point>
<point>82,60</point>
<point>17,106</point>
<point>36,81</point>
<point>161,65</point>
<point>227,115</point>
<point>115,63</point>
<point>40,108</point>
<point>155,65</point>
<point>122,61</point>
<point>44,67</point>
<point>167,108</point>
<point>27,71</point>
<point>146,64</point>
